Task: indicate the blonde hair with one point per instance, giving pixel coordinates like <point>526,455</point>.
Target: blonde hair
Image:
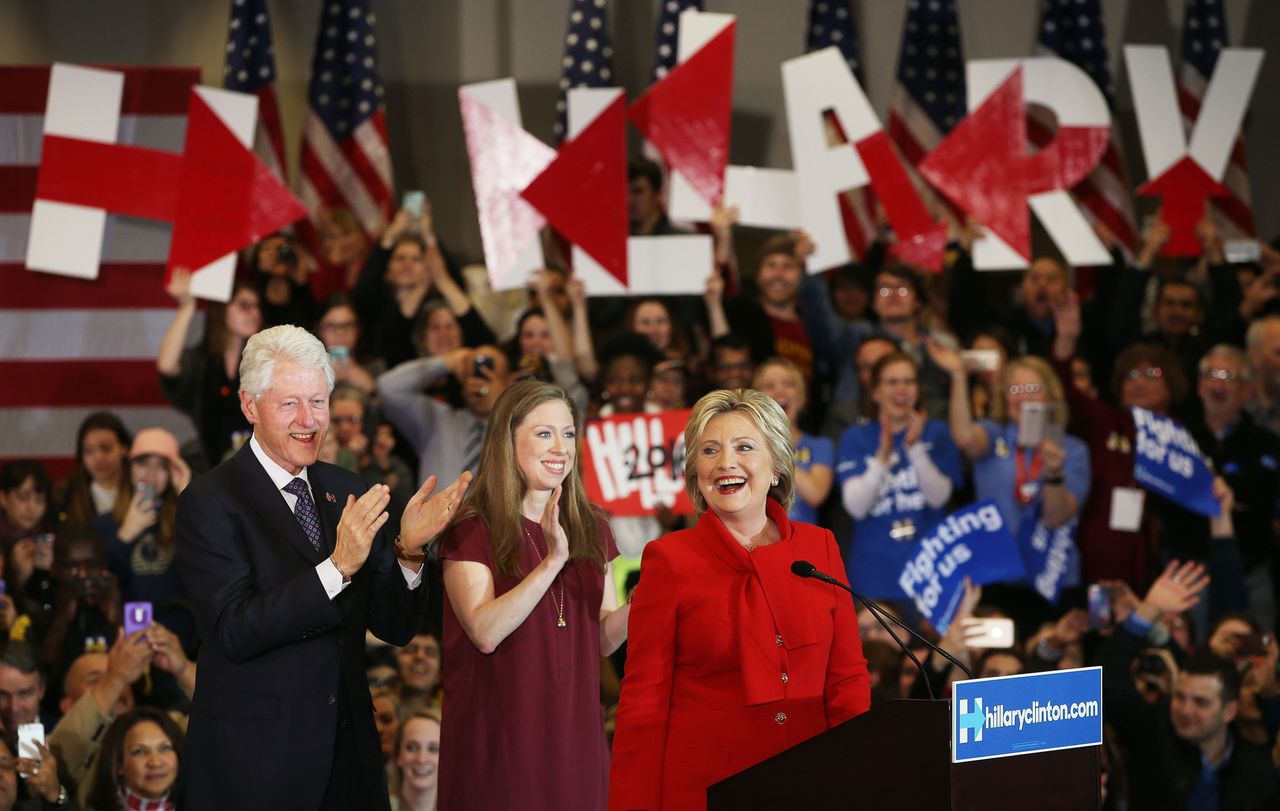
<point>499,486</point>
<point>785,364</point>
<point>1053,391</point>
<point>767,416</point>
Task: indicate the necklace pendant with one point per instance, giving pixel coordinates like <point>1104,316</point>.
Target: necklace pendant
<point>560,623</point>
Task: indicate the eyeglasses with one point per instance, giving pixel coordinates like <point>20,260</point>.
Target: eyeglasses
<point>245,304</point>
<point>900,292</point>
<point>338,325</point>
<point>344,420</point>
<point>1151,373</point>
<point>1028,388</point>
<point>383,681</point>
<point>1225,375</point>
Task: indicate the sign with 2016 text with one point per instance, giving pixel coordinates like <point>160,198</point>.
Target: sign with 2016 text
<point>1029,712</point>
<point>635,463</point>
<point>1168,461</point>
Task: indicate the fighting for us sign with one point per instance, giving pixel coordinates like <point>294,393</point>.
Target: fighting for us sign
<point>1030,712</point>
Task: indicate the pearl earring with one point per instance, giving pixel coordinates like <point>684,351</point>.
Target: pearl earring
<point>775,482</point>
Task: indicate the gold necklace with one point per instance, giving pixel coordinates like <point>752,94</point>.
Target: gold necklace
<point>558,603</point>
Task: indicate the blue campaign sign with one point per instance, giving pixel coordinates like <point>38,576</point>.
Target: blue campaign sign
<point>1030,712</point>
<point>1169,462</point>
<point>972,542</point>
<point>1048,553</point>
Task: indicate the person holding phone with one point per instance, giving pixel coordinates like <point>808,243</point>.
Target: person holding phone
<point>140,548</point>
<point>1022,458</point>
<point>531,608</point>
<point>446,439</point>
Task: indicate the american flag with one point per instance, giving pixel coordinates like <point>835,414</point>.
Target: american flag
<point>251,68</point>
<point>929,89</point>
<point>831,25</point>
<point>666,39</point>
<point>1204,34</point>
<point>588,56</point>
<point>1072,30</point>
<point>344,160</point>
<point>69,346</point>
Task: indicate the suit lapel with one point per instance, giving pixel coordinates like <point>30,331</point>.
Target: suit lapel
<point>261,493</point>
<point>328,504</point>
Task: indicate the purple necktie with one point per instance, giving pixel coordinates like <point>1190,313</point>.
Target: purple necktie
<point>305,511</point>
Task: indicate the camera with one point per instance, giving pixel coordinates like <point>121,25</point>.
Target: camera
<point>286,255</point>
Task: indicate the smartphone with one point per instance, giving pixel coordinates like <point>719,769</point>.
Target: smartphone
<point>136,617</point>
<point>1032,418</point>
<point>339,356</point>
<point>286,255</point>
<point>414,202</point>
<point>1251,645</point>
<point>44,551</point>
<point>147,489</point>
<point>1055,425</point>
<point>1099,606</point>
<point>1241,251</point>
<point>981,360</point>
<point>988,632</point>
<point>28,736</point>
<point>483,362</point>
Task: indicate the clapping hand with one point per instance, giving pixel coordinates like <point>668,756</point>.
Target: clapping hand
<point>426,516</point>
<point>360,522</point>
<point>557,540</point>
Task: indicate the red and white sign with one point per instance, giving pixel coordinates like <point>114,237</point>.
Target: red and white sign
<point>635,463</point>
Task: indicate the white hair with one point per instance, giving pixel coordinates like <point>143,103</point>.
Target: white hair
<point>268,348</point>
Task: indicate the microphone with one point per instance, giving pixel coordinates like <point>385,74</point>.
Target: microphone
<point>803,568</point>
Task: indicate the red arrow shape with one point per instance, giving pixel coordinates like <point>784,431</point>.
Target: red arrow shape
<point>686,115</point>
<point>921,241</point>
<point>583,192</point>
<point>227,197</point>
<point>983,166</point>
<point>1183,188</point>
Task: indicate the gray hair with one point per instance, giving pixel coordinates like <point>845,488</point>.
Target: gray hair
<point>1230,351</point>
<point>266,349</point>
<point>1253,338</point>
<point>765,413</point>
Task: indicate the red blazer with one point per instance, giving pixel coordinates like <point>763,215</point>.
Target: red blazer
<point>730,659</point>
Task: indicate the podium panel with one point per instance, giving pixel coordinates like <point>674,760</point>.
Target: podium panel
<point>898,757</point>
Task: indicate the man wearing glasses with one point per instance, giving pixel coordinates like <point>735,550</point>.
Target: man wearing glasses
<point>1248,457</point>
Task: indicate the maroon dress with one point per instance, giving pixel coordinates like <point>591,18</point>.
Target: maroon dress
<point>523,727</point>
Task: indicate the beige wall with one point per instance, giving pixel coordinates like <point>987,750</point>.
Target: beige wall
<point>428,47</point>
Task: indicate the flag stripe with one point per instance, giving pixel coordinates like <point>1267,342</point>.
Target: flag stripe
<point>118,286</point>
<point>147,90</point>
<point>126,240</point>
<point>51,432</point>
<point>117,334</point>
<point>81,383</point>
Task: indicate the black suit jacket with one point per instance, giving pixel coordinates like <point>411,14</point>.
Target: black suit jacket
<point>265,712</point>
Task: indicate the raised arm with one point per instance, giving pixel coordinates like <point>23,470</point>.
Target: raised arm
<point>169,358</point>
<point>584,350</point>
<point>969,437</point>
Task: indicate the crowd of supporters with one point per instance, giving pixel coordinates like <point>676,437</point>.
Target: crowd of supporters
<point>905,390</point>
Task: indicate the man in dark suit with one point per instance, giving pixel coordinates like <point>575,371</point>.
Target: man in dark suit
<point>287,568</point>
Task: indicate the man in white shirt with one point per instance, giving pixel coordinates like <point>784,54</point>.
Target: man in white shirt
<point>287,568</point>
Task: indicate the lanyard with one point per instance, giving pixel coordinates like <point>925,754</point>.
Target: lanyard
<point>1027,483</point>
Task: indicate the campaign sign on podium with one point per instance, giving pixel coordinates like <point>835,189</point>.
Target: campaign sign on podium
<point>1030,712</point>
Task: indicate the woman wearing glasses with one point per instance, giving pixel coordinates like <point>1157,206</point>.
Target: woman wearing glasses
<point>1116,523</point>
<point>1018,460</point>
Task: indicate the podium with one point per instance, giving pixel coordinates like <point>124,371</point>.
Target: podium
<point>898,756</point>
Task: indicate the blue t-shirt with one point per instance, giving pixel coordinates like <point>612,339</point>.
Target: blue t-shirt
<point>995,475</point>
<point>891,531</point>
<point>810,451</point>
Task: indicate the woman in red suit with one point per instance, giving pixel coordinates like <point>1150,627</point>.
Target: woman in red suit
<point>732,657</point>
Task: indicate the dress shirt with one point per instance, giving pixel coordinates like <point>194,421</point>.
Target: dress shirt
<point>327,570</point>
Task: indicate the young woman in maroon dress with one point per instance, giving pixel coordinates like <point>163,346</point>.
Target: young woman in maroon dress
<point>732,658</point>
<point>531,608</point>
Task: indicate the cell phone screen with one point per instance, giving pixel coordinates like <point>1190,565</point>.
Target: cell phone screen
<point>1032,419</point>
<point>1099,607</point>
<point>136,617</point>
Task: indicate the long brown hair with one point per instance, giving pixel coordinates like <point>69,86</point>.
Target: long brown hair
<point>500,485</point>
